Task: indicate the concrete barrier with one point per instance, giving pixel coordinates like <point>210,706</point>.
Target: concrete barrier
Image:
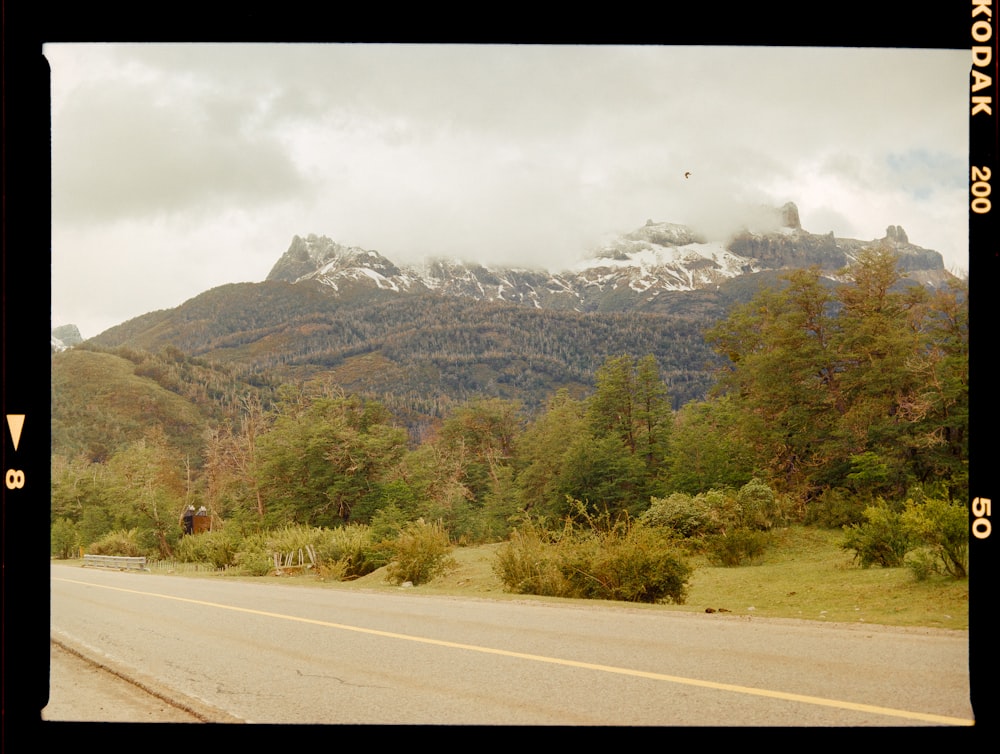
<point>117,562</point>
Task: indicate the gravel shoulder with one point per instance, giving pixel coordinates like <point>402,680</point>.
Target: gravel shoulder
<point>83,691</point>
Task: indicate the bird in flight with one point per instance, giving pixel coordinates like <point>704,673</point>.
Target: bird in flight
<point>687,174</point>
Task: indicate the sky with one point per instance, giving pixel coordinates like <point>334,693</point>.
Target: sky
<point>177,168</point>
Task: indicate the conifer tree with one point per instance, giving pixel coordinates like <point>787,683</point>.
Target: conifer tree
<point>865,383</point>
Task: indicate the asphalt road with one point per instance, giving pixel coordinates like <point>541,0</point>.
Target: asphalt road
<point>233,651</point>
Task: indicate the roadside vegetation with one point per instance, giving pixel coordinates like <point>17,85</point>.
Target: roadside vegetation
<point>840,411</point>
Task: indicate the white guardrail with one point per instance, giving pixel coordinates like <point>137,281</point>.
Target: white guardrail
<point>117,562</point>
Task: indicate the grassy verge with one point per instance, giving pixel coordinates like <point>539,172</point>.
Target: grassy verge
<point>804,575</point>
<point>807,575</point>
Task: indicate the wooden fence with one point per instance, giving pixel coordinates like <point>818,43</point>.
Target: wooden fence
<point>288,563</point>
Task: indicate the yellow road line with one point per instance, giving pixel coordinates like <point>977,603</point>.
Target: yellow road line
<point>749,690</point>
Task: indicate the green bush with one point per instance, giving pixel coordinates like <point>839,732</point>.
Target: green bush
<point>883,539</point>
<point>469,522</point>
<point>943,527</point>
<point>723,507</point>
<point>527,564</point>
<point>731,527</point>
<point>632,564</point>
<point>128,543</point>
<point>738,546</point>
<point>419,553</point>
<point>595,559</point>
<point>292,538</point>
<point>65,539</point>
<point>388,522</point>
<point>922,564</point>
<point>216,547</point>
<point>683,514</point>
<point>255,557</point>
<point>350,551</point>
<point>343,552</point>
<point>835,508</point>
<point>757,506</point>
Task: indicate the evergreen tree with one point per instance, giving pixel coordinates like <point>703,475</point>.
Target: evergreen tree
<point>784,377</point>
<point>653,415</point>
<point>325,458</point>
<point>486,431</point>
<point>879,336</point>
<point>542,452</point>
<point>863,385</point>
<point>707,450</point>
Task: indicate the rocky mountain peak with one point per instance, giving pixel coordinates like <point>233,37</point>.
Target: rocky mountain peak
<point>630,271</point>
<point>65,336</point>
<point>314,256</point>
<point>790,216</point>
<point>897,234</point>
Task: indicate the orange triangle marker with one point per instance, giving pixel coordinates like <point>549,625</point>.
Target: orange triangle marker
<point>15,422</point>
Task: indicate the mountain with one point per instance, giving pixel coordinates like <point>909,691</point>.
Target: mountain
<point>421,338</point>
<point>636,271</point>
<point>418,353</point>
<point>65,336</point>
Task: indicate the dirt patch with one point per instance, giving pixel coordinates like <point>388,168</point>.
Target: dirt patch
<point>83,691</point>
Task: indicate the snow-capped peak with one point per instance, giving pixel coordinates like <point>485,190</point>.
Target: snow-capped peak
<point>655,258</point>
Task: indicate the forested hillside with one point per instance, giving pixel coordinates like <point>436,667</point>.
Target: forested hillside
<point>824,403</point>
<point>421,352</point>
<point>102,400</point>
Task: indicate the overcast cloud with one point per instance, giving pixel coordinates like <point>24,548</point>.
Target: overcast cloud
<point>177,168</point>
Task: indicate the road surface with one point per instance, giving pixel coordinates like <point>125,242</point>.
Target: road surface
<point>264,653</point>
<point>84,692</point>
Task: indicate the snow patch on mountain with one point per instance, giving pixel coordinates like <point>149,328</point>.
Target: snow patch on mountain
<point>656,258</point>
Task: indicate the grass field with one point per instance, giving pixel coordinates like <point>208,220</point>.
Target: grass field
<point>805,575</point>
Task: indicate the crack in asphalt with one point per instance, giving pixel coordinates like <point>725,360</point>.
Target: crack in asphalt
<point>338,680</point>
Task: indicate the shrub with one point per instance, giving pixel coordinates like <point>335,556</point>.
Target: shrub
<point>731,526</point>
<point>527,564</point>
<point>65,539</point>
<point>255,556</point>
<point>470,523</point>
<point>738,546</point>
<point>632,564</point>
<point>388,522</point>
<point>757,506</point>
<point>723,507</point>
<point>835,508</point>
<point>922,564</point>
<point>685,515</point>
<point>882,540</point>
<point>348,552</point>
<point>294,537</point>
<point>595,559</point>
<point>122,542</point>
<point>216,547</point>
<point>342,553</point>
<point>419,553</point>
<point>942,526</point>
